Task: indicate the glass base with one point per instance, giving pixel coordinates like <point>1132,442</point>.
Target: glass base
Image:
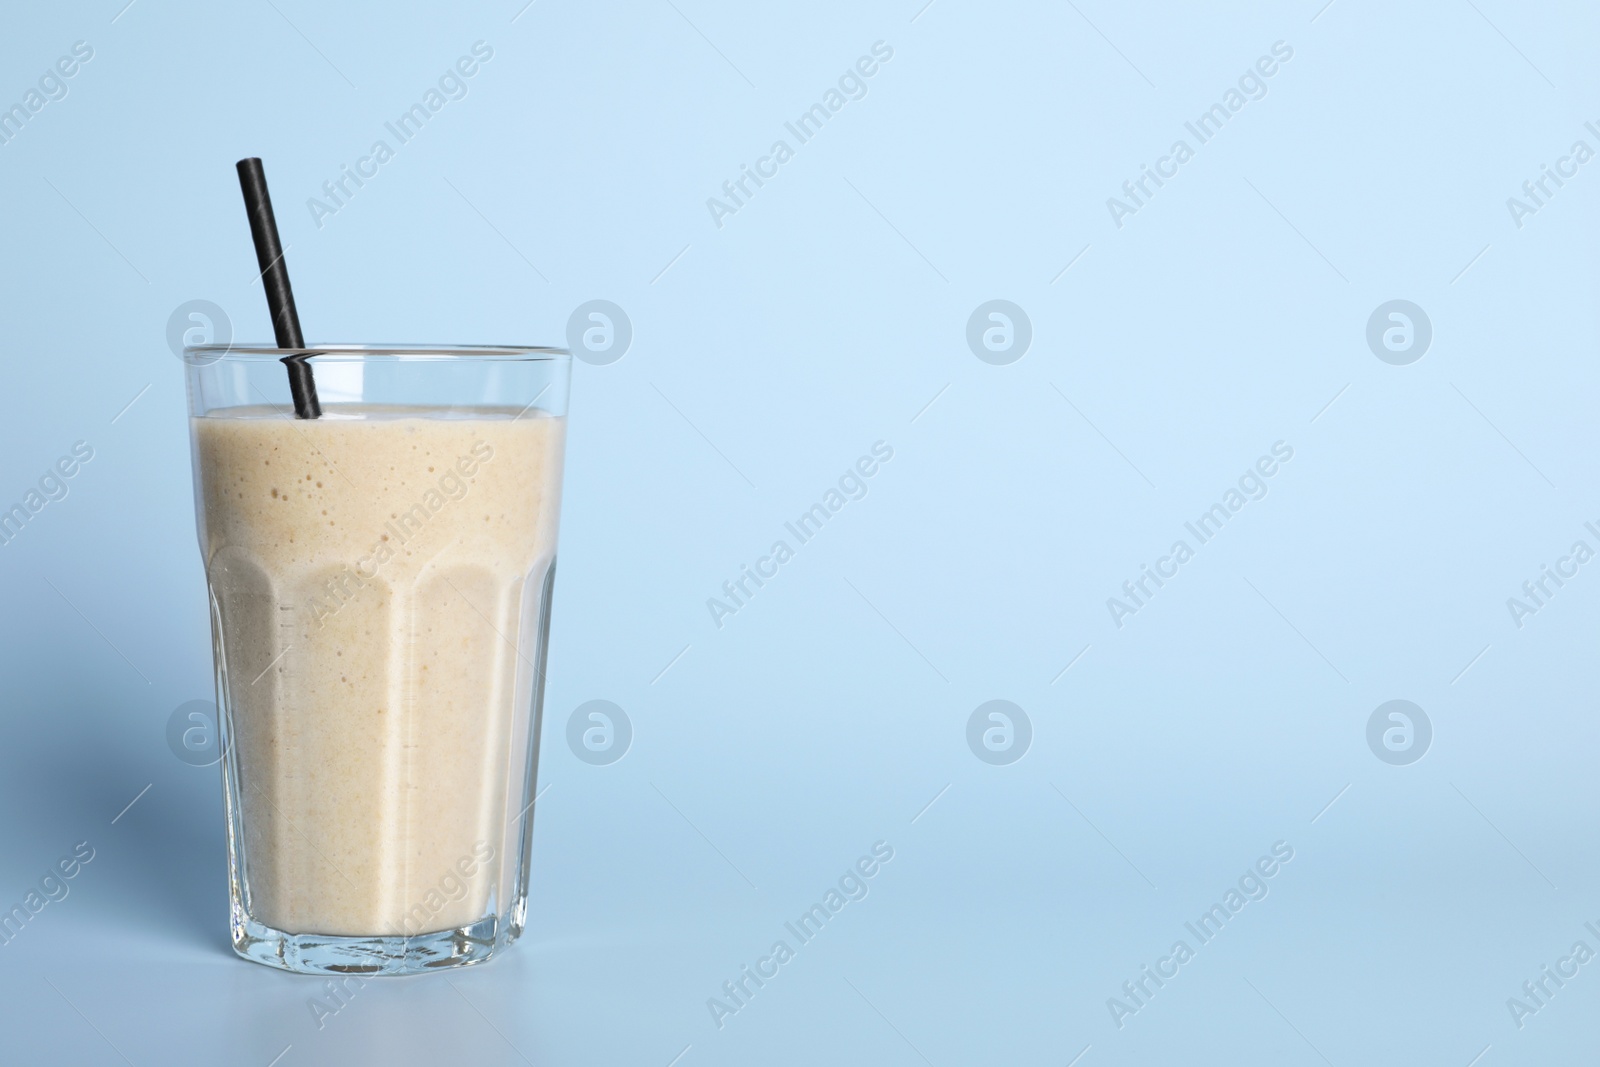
<point>369,956</point>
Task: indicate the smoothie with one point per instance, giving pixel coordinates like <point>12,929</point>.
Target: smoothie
<point>376,579</point>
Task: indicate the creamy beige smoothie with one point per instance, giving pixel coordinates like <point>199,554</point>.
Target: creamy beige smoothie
<point>376,577</point>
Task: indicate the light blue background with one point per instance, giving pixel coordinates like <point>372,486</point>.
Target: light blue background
<point>767,356</point>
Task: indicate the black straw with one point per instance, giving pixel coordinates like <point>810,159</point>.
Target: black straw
<point>275,280</point>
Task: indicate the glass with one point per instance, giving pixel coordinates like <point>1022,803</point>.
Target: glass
<point>380,584</point>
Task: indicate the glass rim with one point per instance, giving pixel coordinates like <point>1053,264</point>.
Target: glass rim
<point>351,353</point>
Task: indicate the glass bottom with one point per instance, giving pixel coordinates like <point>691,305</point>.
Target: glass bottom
<point>369,956</point>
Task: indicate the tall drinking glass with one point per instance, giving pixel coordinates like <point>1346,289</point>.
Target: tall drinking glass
<point>380,583</point>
